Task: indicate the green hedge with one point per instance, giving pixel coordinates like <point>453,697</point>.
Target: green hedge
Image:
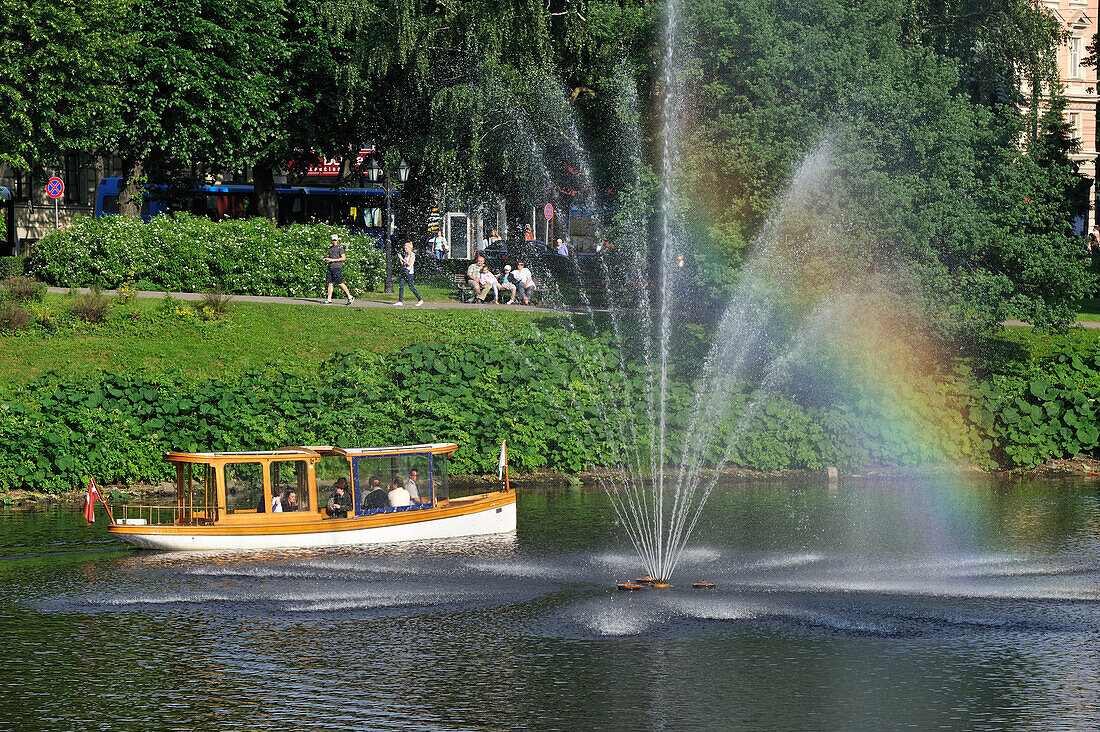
<point>185,253</point>
<point>548,396</point>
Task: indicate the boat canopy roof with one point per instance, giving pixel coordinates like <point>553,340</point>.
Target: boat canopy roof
<point>288,453</point>
<point>435,448</point>
<point>291,453</point>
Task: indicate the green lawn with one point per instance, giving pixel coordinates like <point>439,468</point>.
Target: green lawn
<point>1089,309</point>
<point>292,337</point>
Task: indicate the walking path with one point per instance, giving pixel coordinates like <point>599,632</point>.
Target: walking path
<point>365,302</point>
<point>1082,323</point>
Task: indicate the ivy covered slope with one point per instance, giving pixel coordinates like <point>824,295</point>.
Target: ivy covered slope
<point>558,397</point>
<point>185,253</point>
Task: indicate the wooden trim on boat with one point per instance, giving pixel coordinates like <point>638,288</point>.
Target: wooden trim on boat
<point>279,524</point>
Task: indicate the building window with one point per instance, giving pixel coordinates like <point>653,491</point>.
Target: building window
<point>1075,126</point>
<point>1075,45</point>
<point>23,185</point>
<point>74,179</point>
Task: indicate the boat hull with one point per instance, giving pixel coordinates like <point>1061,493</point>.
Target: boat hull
<point>487,516</point>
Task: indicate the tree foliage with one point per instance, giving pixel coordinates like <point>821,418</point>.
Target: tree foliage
<point>917,105</point>
<point>60,75</point>
<point>917,101</point>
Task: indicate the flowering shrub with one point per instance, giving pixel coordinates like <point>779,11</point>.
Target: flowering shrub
<point>185,253</point>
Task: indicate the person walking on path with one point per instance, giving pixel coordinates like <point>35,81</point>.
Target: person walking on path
<point>335,275</point>
<point>563,251</point>
<point>408,260</point>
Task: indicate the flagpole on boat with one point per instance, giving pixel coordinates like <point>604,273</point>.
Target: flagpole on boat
<point>503,466</point>
<point>93,486</point>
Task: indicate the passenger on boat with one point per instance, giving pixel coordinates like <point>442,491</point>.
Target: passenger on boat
<point>398,495</point>
<point>341,502</point>
<point>410,486</point>
<point>290,503</point>
<point>277,502</point>
<point>377,497</point>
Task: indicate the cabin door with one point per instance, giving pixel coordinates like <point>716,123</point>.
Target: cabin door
<point>196,494</point>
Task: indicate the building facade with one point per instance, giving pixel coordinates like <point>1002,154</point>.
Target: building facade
<point>31,212</point>
<point>1079,20</point>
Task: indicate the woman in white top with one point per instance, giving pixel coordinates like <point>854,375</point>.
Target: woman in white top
<point>408,261</point>
<point>525,283</point>
<point>398,495</point>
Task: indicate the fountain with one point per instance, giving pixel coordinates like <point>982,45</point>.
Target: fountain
<point>801,280</point>
<point>804,278</point>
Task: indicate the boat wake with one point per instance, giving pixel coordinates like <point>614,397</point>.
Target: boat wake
<point>573,596</point>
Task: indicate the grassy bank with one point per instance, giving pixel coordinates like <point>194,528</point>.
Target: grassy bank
<point>159,375</point>
<point>145,336</point>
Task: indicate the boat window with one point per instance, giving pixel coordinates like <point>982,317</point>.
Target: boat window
<point>386,469</point>
<point>439,477</point>
<point>196,496</point>
<point>290,476</point>
<point>244,488</point>
<point>328,470</point>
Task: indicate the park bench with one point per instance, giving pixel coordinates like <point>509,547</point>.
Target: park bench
<point>465,291</point>
<point>592,288</point>
<point>462,285</point>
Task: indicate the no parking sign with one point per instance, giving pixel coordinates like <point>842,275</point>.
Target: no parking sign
<point>54,188</point>
<point>548,212</point>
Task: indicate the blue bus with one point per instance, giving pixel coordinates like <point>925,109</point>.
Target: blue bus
<point>358,209</point>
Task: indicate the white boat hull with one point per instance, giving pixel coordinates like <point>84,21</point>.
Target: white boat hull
<point>492,520</point>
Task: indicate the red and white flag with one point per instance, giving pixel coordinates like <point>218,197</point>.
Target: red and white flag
<point>89,501</point>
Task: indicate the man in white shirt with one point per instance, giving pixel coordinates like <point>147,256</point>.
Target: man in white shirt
<point>473,276</point>
<point>410,486</point>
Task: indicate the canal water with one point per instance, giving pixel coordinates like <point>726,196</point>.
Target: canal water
<point>930,603</point>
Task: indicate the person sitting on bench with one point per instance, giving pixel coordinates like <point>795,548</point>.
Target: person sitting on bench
<point>473,277</point>
<point>506,283</point>
<point>525,283</point>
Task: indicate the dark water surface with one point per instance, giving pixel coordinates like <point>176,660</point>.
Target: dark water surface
<point>927,604</point>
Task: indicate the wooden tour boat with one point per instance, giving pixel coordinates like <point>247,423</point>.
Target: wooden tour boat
<point>224,500</point>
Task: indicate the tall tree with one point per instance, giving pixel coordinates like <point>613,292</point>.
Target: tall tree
<point>60,76</point>
<point>927,164</point>
<point>199,86</point>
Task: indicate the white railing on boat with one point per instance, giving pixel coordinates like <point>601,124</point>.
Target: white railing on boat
<point>131,514</point>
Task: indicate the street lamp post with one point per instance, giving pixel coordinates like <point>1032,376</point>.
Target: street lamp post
<point>374,171</point>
